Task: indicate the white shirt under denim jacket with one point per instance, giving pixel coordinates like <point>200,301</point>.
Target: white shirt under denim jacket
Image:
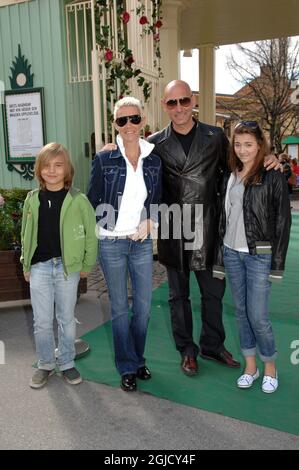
<point>121,196</point>
<point>134,196</point>
<point>264,217</point>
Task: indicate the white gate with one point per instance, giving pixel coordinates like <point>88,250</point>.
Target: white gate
<point>86,59</point>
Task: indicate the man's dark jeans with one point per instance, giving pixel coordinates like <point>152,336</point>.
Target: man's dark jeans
<point>212,332</point>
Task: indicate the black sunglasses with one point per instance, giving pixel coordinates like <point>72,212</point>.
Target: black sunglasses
<point>185,102</point>
<point>134,119</point>
<point>252,124</point>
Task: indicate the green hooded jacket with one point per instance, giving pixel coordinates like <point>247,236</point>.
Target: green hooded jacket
<point>77,232</point>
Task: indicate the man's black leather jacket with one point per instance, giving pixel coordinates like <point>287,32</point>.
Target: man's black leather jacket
<point>192,180</point>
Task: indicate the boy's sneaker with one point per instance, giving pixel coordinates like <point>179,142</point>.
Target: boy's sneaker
<point>72,376</point>
<point>40,378</point>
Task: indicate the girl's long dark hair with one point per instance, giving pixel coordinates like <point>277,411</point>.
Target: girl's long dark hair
<point>235,164</point>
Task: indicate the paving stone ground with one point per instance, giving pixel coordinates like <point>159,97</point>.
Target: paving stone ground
<point>97,284</point>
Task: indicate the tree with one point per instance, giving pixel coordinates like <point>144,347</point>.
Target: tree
<point>268,72</point>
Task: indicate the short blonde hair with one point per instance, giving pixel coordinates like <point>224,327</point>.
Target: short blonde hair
<point>127,101</point>
<point>48,152</point>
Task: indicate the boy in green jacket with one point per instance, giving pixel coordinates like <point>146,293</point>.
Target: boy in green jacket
<point>59,246</point>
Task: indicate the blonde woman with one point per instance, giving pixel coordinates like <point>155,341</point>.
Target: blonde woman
<point>125,188</point>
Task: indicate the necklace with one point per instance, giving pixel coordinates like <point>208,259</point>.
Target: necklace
<point>133,155</point>
<point>134,162</point>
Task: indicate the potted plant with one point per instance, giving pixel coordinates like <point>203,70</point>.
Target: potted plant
<point>12,284</point>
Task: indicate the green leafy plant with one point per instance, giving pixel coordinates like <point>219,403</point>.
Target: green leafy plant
<point>11,206</point>
<point>123,69</point>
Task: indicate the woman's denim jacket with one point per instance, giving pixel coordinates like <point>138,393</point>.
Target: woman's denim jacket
<point>107,184</point>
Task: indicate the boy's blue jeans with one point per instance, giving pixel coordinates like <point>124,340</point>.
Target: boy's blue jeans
<point>248,278</point>
<point>117,258</point>
<point>48,286</point>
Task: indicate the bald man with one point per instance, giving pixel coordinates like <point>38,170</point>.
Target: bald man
<point>194,156</point>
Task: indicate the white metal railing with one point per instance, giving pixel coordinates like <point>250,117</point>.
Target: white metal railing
<point>142,46</point>
<point>152,108</point>
<point>86,61</point>
<point>109,18</point>
<point>79,25</point>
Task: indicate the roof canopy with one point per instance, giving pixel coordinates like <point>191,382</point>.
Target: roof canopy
<point>223,22</point>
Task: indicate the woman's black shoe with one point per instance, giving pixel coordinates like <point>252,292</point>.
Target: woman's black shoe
<point>128,382</point>
<point>143,373</point>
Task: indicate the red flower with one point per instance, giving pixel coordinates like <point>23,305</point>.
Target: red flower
<point>14,215</point>
<point>143,20</point>
<point>120,97</point>
<point>159,24</point>
<point>108,55</point>
<point>126,17</point>
<point>129,60</point>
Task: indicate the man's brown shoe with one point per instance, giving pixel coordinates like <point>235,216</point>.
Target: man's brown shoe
<point>224,357</point>
<point>189,365</point>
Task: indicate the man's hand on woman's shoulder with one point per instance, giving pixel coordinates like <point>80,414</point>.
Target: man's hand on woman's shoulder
<point>108,147</point>
<point>272,162</point>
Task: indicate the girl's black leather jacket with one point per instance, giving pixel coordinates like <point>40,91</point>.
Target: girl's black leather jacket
<point>267,220</point>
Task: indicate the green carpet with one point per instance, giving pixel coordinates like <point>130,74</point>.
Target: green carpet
<point>214,389</point>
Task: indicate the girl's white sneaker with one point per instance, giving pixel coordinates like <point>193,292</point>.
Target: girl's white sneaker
<point>269,384</point>
<point>246,380</point>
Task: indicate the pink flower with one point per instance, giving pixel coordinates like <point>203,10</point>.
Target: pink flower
<point>157,37</point>
<point>2,200</point>
<point>126,17</point>
<point>159,24</point>
<point>143,20</point>
<point>108,55</point>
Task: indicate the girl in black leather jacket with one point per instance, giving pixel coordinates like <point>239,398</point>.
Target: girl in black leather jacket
<point>253,239</point>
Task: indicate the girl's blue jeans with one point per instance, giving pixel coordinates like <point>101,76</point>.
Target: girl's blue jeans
<point>248,278</point>
<point>49,287</point>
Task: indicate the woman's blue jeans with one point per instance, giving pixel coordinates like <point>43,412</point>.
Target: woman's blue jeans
<point>248,278</point>
<point>118,257</point>
<point>48,286</point>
